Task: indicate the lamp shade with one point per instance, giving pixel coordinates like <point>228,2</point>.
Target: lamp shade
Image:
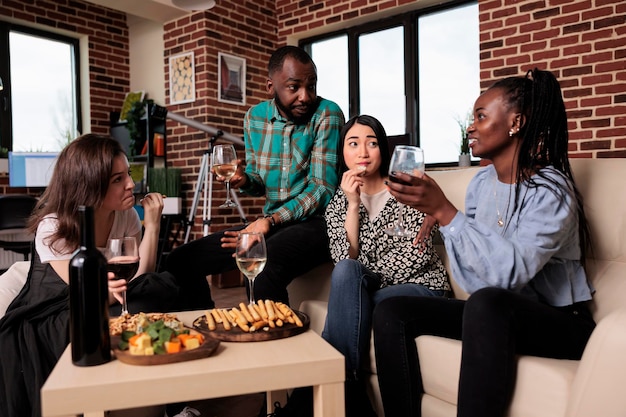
<point>194,5</point>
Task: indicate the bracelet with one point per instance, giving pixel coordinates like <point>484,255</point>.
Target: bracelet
<point>271,219</point>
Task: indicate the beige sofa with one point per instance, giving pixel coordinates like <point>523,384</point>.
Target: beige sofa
<point>593,386</point>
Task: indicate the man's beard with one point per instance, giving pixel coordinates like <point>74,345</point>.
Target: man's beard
<point>297,119</point>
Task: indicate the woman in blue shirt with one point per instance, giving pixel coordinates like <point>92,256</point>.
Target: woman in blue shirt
<point>518,250</point>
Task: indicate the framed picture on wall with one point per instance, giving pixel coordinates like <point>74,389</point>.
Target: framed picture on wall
<point>231,74</point>
<point>182,78</point>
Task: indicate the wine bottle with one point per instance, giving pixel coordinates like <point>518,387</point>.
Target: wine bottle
<point>89,311</point>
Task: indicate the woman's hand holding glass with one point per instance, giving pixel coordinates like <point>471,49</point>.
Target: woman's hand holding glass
<point>123,260</point>
<point>408,160</point>
<point>424,194</point>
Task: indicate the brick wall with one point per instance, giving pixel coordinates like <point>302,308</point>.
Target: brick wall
<point>582,41</point>
<point>584,44</point>
<point>243,29</point>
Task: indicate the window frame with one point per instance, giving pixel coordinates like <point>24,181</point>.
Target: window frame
<point>6,115</point>
<point>409,21</point>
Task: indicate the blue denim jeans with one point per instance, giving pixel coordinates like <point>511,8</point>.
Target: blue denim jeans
<point>354,292</point>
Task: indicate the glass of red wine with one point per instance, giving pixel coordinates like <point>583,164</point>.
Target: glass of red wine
<point>123,260</point>
<point>408,160</point>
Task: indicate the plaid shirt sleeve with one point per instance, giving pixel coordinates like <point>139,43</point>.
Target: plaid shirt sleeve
<point>294,166</point>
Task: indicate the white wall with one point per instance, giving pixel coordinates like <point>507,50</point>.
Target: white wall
<point>147,70</point>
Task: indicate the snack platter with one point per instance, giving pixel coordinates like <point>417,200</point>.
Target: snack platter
<point>205,348</point>
<point>239,324</point>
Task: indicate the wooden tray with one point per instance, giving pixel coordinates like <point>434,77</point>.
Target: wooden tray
<point>237,335</point>
<point>206,349</point>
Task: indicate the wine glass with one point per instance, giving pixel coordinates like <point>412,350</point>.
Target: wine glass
<point>123,260</point>
<point>225,165</point>
<point>409,160</point>
<point>251,256</point>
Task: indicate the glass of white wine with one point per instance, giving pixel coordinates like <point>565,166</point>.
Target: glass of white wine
<point>225,165</point>
<point>408,160</point>
<point>251,256</point>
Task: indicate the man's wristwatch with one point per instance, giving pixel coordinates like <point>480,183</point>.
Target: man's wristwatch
<point>271,219</point>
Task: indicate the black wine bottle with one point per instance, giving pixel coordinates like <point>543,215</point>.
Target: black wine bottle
<point>89,311</point>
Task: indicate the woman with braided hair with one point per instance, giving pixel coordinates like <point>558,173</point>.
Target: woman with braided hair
<point>518,251</point>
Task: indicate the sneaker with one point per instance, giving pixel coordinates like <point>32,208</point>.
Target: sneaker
<point>188,412</point>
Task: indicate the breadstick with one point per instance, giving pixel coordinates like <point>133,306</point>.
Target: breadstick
<point>246,313</point>
<point>216,315</point>
<point>271,323</point>
<point>258,325</point>
<point>210,320</point>
<point>291,313</point>
<point>257,309</point>
<point>243,325</point>
<point>263,310</point>
<point>271,315</point>
<point>298,321</point>
<point>277,311</point>
<point>226,319</point>
<point>284,308</point>
<point>253,312</point>
<point>279,323</point>
<point>239,316</point>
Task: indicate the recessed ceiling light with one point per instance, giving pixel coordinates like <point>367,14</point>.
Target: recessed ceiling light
<point>194,5</point>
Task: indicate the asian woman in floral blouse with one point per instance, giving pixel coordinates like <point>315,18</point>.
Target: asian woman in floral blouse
<point>371,265</point>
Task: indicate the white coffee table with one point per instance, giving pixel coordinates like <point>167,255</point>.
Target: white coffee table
<point>234,369</point>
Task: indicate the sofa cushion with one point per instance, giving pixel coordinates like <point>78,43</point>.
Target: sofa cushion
<point>542,387</point>
<point>11,283</point>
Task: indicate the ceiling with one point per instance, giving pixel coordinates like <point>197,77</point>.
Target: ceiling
<point>156,10</point>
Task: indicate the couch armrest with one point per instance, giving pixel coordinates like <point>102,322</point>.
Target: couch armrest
<point>598,388</point>
<point>11,283</point>
<point>314,285</point>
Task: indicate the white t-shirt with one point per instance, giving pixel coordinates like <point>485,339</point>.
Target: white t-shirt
<point>125,223</point>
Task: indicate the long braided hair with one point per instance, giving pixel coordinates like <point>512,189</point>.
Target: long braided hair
<point>544,138</point>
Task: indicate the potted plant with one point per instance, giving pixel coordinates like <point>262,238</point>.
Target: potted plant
<point>167,181</point>
<point>134,115</point>
<point>464,155</point>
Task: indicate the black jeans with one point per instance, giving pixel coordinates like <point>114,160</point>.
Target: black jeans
<point>494,326</point>
<point>292,249</point>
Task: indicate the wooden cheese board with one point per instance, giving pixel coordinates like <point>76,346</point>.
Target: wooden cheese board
<point>206,349</point>
<point>235,334</point>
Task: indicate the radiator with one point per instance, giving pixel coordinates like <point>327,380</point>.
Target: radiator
<point>8,258</point>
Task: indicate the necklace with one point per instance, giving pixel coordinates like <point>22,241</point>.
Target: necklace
<point>495,197</point>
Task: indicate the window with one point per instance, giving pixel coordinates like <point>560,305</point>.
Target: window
<point>39,106</point>
<point>331,60</point>
<point>417,73</point>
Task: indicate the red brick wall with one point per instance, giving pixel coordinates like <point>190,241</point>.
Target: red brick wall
<point>582,41</point>
<point>243,29</point>
<point>584,44</point>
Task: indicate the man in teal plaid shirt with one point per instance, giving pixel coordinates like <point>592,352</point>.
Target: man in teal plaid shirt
<point>291,145</point>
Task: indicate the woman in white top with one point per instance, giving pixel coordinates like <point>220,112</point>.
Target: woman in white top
<point>91,171</point>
